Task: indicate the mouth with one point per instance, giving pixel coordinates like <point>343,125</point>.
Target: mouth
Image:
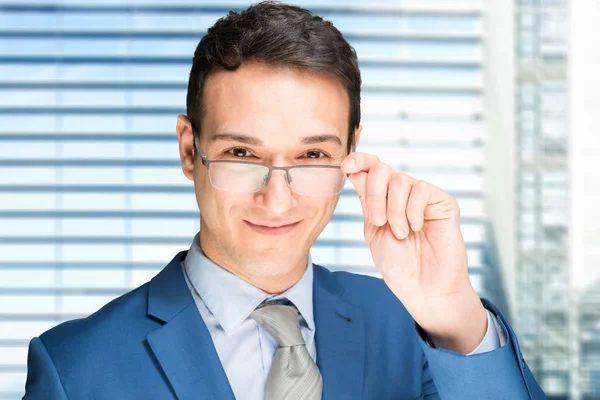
<point>273,230</point>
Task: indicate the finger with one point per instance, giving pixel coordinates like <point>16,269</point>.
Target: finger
<point>357,165</point>
<point>356,162</point>
<point>378,180</point>
<point>359,181</point>
<point>419,198</point>
<point>398,193</point>
<point>441,206</point>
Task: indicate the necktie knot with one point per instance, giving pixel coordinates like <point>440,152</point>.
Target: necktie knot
<point>293,374</point>
<point>281,321</point>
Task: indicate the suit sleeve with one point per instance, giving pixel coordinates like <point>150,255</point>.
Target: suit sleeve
<point>43,382</point>
<point>429,390</point>
<point>497,374</point>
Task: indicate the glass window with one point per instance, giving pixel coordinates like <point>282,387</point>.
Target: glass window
<point>128,209</point>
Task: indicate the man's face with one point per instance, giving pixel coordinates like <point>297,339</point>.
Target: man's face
<point>275,108</point>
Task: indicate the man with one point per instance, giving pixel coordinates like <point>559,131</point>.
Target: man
<point>273,119</point>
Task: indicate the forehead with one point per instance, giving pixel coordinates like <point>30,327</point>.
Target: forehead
<point>277,105</point>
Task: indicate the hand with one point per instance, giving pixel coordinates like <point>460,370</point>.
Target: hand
<point>413,231</point>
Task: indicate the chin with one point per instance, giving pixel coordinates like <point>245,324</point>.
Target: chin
<point>269,254</point>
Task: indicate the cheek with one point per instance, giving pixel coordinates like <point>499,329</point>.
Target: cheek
<point>228,210</point>
<point>321,211</point>
<point>202,187</point>
<point>213,205</point>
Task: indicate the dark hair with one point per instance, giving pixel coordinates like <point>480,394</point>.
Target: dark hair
<point>280,35</point>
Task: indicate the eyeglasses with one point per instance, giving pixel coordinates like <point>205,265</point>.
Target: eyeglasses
<point>249,177</point>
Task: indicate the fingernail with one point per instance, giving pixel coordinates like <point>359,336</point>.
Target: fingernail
<point>376,218</point>
<point>400,231</point>
<point>349,164</point>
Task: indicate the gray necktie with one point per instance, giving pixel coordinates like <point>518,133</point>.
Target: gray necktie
<point>293,374</point>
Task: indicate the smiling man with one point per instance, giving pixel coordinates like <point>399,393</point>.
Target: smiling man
<point>269,141</point>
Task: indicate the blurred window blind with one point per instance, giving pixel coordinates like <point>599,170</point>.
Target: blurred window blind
<point>92,198</point>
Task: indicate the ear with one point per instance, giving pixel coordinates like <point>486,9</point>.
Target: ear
<point>357,132</point>
<point>185,136</point>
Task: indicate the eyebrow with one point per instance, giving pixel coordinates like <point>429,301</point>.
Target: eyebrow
<point>324,138</point>
<point>236,137</point>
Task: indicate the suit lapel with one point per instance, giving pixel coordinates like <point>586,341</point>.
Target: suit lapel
<point>185,351</point>
<point>340,339</point>
<point>183,346</point>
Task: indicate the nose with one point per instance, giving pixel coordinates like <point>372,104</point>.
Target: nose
<point>277,196</point>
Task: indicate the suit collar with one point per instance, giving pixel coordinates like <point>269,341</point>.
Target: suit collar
<point>168,293</point>
<point>185,351</point>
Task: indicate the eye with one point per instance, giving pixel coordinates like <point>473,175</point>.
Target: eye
<point>315,154</point>
<point>239,152</point>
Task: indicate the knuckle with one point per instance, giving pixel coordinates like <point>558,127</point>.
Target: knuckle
<point>380,169</point>
<point>420,184</point>
<point>397,179</point>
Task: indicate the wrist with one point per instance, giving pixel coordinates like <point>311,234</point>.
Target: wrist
<point>461,327</point>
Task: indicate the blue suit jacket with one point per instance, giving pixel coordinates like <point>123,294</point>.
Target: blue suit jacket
<point>152,343</point>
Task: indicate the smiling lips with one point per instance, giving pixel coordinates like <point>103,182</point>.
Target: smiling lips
<point>273,228</point>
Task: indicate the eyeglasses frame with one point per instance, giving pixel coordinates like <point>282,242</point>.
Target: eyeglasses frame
<point>206,162</point>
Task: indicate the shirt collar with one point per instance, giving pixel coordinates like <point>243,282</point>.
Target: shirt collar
<point>211,282</point>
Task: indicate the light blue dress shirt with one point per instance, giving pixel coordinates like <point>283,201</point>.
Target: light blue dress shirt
<point>245,349</point>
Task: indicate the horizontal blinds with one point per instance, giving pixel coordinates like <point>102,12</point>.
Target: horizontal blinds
<point>92,198</point>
